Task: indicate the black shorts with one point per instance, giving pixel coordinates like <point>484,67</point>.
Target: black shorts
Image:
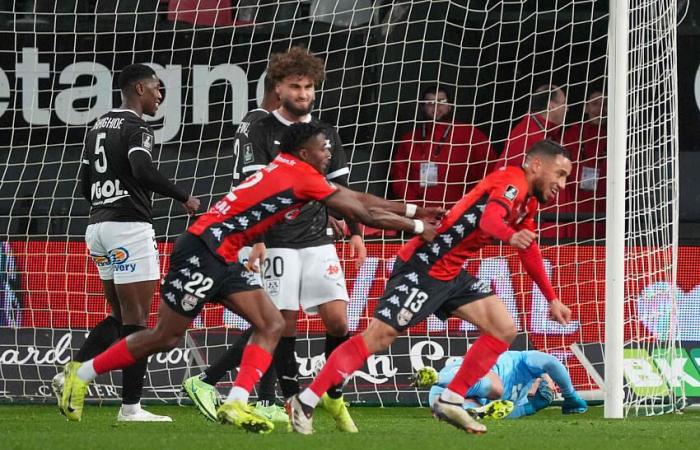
<point>411,295</point>
<point>196,277</point>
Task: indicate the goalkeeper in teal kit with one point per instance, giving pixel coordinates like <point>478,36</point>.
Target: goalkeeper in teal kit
<point>512,378</point>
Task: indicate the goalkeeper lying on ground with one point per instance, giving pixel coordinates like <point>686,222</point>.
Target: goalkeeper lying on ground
<point>512,379</point>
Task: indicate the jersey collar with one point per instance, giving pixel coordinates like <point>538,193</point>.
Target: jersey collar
<point>126,110</point>
<point>305,119</point>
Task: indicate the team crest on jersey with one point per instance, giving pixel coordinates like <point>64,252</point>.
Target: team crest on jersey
<point>248,154</point>
<point>188,302</point>
<point>403,317</point>
<point>332,269</point>
<point>147,141</point>
<point>291,215</point>
<point>511,192</point>
<point>272,287</point>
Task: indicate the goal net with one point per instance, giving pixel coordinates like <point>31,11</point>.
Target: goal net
<point>508,73</point>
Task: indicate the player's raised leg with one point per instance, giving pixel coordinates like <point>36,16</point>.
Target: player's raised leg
<point>165,336</point>
<point>344,361</point>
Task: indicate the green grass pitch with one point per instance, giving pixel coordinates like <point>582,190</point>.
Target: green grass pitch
<point>42,427</point>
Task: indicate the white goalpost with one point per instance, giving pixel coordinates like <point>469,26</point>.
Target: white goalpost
<point>610,241</point>
<point>642,211</point>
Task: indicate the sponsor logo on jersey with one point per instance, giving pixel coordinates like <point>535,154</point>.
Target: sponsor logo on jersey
<point>119,255</point>
<point>100,260</point>
<point>248,156</point>
<point>251,278</point>
<point>481,286</point>
<point>119,258</point>
<point>188,302</point>
<point>511,192</point>
<point>147,141</point>
<point>102,191</point>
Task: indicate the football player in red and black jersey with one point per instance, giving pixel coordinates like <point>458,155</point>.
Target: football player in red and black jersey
<point>428,278</point>
<point>204,267</point>
<point>300,264</point>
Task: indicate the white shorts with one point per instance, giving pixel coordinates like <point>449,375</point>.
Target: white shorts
<point>125,252</point>
<point>302,278</point>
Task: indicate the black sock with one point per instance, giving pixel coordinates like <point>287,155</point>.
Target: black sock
<point>286,366</point>
<point>266,387</point>
<point>333,342</point>
<point>100,339</point>
<point>227,361</point>
<point>134,375</point>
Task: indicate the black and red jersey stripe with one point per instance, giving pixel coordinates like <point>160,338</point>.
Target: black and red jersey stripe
<point>276,192</point>
<point>459,236</point>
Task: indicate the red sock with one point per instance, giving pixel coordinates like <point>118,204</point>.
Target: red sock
<point>117,356</point>
<point>254,363</point>
<point>344,360</point>
<point>480,358</point>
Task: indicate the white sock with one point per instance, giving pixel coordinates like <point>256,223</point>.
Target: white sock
<point>131,409</point>
<point>237,393</point>
<point>86,371</point>
<point>308,397</point>
<point>451,396</point>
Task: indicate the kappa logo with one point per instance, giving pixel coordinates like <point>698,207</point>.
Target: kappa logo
<point>394,300</point>
<point>385,312</point>
<point>147,141</point>
<point>511,192</point>
<point>177,284</point>
<point>447,239</point>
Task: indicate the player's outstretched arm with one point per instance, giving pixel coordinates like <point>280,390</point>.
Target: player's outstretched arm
<point>145,173</point>
<point>539,362</point>
<point>402,209</point>
<point>531,257</point>
<point>348,203</point>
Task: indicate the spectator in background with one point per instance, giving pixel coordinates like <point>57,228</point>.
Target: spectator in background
<point>587,142</point>
<point>440,159</point>
<point>544,121</point>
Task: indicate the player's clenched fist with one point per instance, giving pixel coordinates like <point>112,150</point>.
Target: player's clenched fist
<point>191,205</point>
<point>522,239</point>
